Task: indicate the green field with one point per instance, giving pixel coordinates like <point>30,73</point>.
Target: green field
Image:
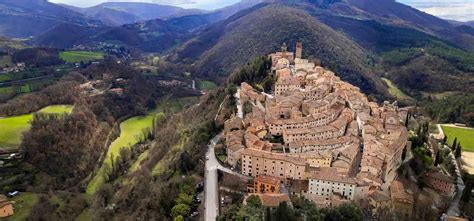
<point>464,135</point>
<point>78,56</point>
<point>130,132</point>
<point>394,91</point>
<point>206,85</point>
<point>24,202</point>
<point>57,109</point>
<point>11,128</point>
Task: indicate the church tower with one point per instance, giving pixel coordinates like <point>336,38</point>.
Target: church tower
<point>299,49</point>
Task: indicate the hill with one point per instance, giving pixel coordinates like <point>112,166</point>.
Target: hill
<point>225,46</point>
<point>391,12</point>
<point>120,13</point>
<point>26,18</point>
<point>66,35</point>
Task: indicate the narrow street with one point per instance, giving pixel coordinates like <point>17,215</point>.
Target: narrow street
<point>212,165</point>
<point>211,186</point>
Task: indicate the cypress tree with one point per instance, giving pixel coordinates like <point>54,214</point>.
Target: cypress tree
<point>453,147</point>
<point>437,159</point>
<point>407,119</point>
<point>458,151</point>
<point>445,139</point>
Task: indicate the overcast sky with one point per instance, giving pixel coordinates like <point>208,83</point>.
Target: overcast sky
<point>201,4</point>
<point>461,10</point>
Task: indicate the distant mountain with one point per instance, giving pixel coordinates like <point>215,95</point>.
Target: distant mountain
<point>196,21</point>
<point>460,23</point>
<point>67,35</point>
<point>26,18</point>
<point>391,12</point>
<point>155,35</point>
<point>120,13</point>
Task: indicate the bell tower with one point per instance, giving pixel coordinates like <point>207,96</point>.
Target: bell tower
<point>299,49</point>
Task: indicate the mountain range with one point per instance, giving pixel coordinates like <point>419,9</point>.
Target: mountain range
<point>362,40</point>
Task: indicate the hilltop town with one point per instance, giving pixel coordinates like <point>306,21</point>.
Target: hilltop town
<point>319,136</point>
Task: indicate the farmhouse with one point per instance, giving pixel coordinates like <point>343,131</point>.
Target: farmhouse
<point>6,207</point>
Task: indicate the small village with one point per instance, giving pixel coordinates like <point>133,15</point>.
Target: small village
<point>320,138</point>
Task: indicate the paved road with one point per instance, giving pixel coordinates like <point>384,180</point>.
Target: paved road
<point>212,165</point>
<point>211,186</point>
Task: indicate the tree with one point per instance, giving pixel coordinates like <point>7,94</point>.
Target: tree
<point>407,119</point>
<point>453,146</point>
<point>445,139</point>
<point>457,154</point>
<point>179,218</point>
<point>268,214</point>
<point>437,159</point>
<point>180,210</point>
<point>284,213</point>
<point>184,198</point>
<point>404,153</point>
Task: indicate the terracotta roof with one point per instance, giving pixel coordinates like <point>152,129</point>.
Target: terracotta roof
<point>398,193</point>
<point>329,174</point>
<point>379,196</point>
<point>268,179</point>
<point>273,200</point>
<point>299,161</point>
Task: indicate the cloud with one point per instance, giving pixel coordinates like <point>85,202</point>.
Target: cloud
<point>461,10</point>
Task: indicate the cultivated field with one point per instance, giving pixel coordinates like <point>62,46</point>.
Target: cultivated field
<point>12,128</point>
<point>464,135</point>
<point>78,56</point>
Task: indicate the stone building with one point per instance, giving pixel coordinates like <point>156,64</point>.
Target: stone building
<point>441,182</point>
<point>326,182</point>
<point>265,184</point>
<point>402,201</point>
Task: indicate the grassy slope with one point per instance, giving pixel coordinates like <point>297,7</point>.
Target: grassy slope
<point>207,85</point>
<point>24,202</point>
<point>11,128</point>
<point>394,91</point>
<point>78,56</point>
<point>131,130</point>
<point>465,136</point>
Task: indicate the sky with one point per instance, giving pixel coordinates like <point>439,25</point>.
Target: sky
<point>460,10</point>
<point>200,4</point>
